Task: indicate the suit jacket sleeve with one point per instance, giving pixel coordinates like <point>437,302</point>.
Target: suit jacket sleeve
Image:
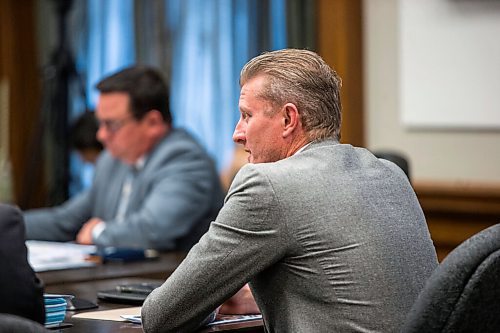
<point>21,292</point>
<point>59,223</point>
<point>245,239</point>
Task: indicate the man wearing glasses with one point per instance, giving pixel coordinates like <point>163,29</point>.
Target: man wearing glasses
<point>154,186</point>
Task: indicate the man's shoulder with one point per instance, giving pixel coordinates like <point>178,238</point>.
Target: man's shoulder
<point>279,171</point>
<point>9,212</point>
<point>5,208</point>
<point>179,144</point>
<point>11,221</point>
<point>303,160</point>
<point>179,138</point>
<point>315,163</point>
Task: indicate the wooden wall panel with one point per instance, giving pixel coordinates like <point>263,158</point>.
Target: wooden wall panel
<point>19,68</point>
<point>339,42</point>
<point>456,211</point>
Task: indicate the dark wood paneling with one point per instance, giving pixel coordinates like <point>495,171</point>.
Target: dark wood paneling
<point>340,41</point>
<point>456,211</point>
<point>19,68</point>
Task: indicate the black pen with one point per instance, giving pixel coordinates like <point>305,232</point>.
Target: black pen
<point>146,290</point>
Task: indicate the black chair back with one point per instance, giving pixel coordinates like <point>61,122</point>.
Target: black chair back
<point>463,293</point>
<point>397,158</point>
<point>10,323</point>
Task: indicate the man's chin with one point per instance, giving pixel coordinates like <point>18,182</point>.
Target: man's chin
<point>120,157</point>
<point>114,154</point>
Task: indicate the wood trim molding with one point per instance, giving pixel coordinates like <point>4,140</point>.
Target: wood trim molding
<point>456,211</point>
<point>460,198</point>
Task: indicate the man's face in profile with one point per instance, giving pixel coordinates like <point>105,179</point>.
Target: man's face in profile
<point>259,129</point>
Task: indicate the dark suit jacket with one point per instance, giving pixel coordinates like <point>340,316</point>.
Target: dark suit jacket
<point>21,292</point>
<point>10,323</point>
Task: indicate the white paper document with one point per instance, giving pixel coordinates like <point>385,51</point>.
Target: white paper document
<point>48,256</point>
<point>133,315</point>
<point>226,319</point>
<point>114,315</point>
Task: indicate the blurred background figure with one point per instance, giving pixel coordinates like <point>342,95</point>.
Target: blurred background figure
<point>83,137</point>
<point>240,158</point>
<point>155,186</point>
<point>21,292</point>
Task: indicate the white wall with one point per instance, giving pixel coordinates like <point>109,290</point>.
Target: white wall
<point>452,154</point>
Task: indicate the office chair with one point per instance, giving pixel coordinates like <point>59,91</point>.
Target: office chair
<point>463,293</point>
<point>399,159</point>
<point>10,323</point>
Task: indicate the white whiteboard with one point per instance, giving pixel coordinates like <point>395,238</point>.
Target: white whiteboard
<point>450,63</point>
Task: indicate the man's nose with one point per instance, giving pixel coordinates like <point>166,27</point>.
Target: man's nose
<point>102,134</point>
<point>239,133</point>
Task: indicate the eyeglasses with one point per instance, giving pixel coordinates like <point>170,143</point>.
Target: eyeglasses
<point>113,126</point>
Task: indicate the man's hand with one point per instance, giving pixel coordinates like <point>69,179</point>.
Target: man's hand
<point>85,234</point>
<point>240,303</point>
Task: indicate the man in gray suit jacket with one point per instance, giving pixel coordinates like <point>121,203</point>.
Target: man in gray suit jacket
<point>329,237</point>
<point>154,186</point>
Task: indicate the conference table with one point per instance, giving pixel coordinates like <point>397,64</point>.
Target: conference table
<point>84,283</point>
<point>158,268</point>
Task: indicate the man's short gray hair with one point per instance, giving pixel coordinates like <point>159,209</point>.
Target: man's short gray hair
<point>303,78</point>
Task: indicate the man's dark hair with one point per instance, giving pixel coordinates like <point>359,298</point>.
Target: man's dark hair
<point>146,88</point>
<point>83,132</point>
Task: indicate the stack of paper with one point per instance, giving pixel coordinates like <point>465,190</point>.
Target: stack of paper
<point>46,256</point>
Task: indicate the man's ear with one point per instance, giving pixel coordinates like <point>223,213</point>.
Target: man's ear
<point>153,117</point>
<point>291,119</point>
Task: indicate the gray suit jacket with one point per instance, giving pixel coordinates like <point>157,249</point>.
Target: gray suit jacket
<point>331,239</point>
<point>174,198</point>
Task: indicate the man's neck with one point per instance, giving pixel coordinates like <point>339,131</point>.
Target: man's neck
<point>298,145</point>
<point>303,147</point>
<point>153,141</point>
